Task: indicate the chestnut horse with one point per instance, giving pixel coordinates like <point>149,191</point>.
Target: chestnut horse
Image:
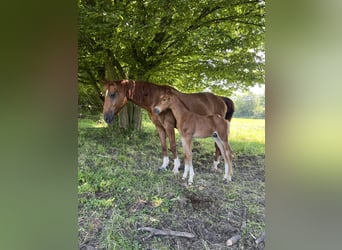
<point>146,95</point>
<point>190,124</point>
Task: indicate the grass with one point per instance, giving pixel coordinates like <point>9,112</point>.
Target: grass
<point>121,190</point>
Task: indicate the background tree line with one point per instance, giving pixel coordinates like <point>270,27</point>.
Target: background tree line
<point>249,105</point>
<point>192,45</point>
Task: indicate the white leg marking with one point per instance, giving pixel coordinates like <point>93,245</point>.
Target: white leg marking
<point>226,173</point>
<point>165,163</point>
<point>186,171</point>
<point>215,164</point>
<point>176,166</point>
<point>226,166</point>
<point>191,175</point>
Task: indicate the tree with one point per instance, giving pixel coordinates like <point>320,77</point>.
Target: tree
<point>249,105</point>
<point>192,45</point>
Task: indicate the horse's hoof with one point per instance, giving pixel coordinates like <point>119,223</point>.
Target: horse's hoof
<point>161,169</point>
<point>227,180</point>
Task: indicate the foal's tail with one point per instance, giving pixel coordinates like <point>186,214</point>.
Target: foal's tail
<point>230,108</point>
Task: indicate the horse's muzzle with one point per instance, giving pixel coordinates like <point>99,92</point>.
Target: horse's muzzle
<point>156,110</point>
<point>108,117</point>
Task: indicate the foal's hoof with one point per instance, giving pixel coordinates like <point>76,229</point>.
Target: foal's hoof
<point>216,170</point>
<point>175,170</point>
<point>227,180</point>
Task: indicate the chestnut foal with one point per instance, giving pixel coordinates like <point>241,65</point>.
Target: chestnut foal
<point>191,125</point>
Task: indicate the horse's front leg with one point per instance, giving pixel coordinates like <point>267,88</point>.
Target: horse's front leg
<point>162,137</point>
<point>170,130</point>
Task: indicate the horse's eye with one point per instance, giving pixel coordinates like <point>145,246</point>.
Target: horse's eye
<point>112,95</point>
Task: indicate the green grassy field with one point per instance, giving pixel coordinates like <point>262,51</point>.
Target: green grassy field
<point>120,190</point>
<point>247,136</point>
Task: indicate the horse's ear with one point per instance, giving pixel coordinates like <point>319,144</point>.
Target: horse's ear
<point>174,91</point>
<point>104,82</point>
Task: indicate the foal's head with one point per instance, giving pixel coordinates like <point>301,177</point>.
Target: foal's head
<point>164,103</point>
<point>115,99</point>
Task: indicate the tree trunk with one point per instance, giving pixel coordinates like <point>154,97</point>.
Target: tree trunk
<point>137,118</point>
<point>130,117</point>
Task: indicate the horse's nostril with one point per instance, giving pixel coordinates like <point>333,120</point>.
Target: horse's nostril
<point>156,110</point>
<point>108,118</point>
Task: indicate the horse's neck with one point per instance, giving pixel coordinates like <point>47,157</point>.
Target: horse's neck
<point>135,92</point>
<point>178,108</point>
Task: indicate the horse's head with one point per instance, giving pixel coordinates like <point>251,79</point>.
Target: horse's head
<point>164,103</point>
<point>115,99</point>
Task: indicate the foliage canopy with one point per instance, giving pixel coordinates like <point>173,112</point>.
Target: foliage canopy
<point>192,45</point>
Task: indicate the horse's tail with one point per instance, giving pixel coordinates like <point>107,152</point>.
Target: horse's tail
<point>230,108</point>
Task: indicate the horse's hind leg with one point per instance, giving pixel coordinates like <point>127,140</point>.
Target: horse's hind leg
<point>217,157</point>
<point>230,157</point>
<point>228,167</point>
<point>223,146</point>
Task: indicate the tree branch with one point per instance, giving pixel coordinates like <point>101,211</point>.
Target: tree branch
<point>165,232</point>
<point>232,240</point>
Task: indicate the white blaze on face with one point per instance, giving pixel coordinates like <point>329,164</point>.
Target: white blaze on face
<point>107,92</point>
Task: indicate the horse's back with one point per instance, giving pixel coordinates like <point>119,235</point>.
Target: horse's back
<point>204,103</point>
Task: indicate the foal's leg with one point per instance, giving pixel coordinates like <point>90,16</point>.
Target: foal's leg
<point>230,157</point>
<point>229,150</point>
<point>187,150</point>
<point>224,152</point>
<point>217,157</point>
<point>228,171</point>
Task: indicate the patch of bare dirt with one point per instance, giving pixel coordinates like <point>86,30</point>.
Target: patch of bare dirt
<point>214,211</point>
<point>210,209</point>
